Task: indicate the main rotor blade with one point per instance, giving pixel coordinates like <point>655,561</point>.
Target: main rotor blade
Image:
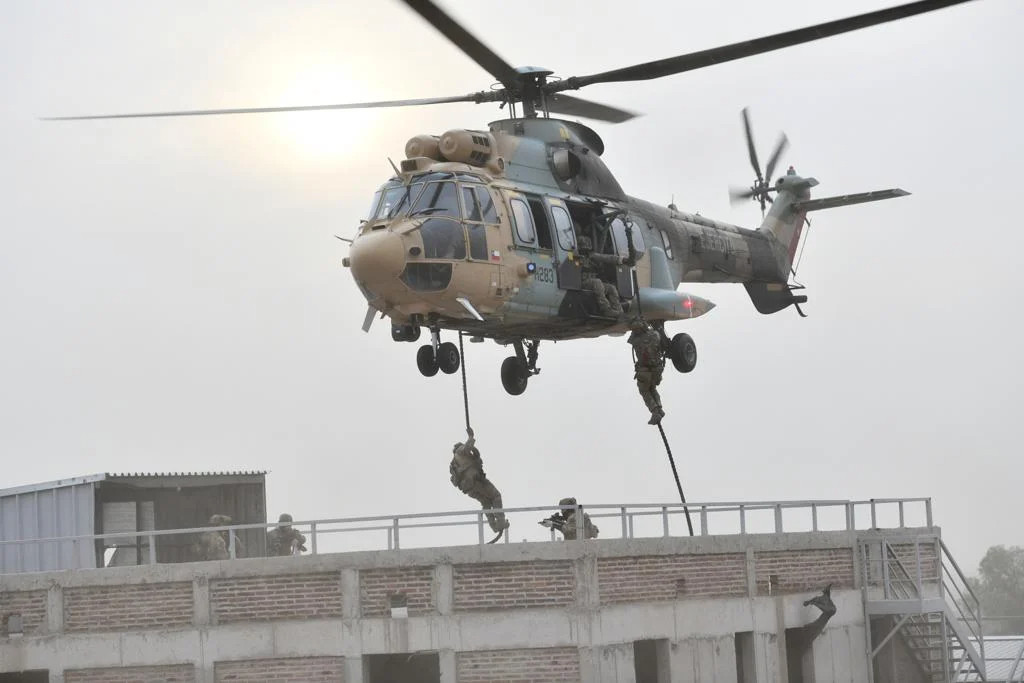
<point>475,97</point>
<point>577,106</point>
<point>780,147</point>
<point>750,145</point>
<point>466,41</point>
<point>727,53</point>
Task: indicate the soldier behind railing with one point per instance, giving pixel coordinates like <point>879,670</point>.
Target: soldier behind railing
<point>567,521</point>
<point>285,540</point>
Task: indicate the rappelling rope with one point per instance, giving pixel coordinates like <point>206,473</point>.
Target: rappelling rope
<point>465,404</point>
<point>675,473</point>
<point>465,392</point>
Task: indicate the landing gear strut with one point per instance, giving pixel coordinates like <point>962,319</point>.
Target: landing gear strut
<point>437,355</point>
<point>516,370</point>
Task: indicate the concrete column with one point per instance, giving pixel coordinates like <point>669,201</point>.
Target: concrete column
<point>201,608</point>
<point>444,590</point>
<point>355,671</point>
<point>55,610</point>
<point>615,664</point>
<point>350,594</point>
<point>588,595</point>
<point>447,661</point>
<point>751,573</point>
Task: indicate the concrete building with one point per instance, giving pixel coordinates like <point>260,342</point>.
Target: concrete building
<point>713,608</point>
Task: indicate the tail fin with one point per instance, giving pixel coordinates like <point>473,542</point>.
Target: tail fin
<point>785,221</point>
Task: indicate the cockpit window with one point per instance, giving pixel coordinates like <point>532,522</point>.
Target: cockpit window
<point>372,213</point>
<point>443,239</point>
<point>438,199</point>
<point>396,200</point>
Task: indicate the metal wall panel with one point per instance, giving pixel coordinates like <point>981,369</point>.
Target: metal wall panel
<point>47,513</point>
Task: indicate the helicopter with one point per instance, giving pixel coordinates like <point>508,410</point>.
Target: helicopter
<point>480,231</point>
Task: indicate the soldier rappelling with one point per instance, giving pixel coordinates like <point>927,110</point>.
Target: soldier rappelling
<point>467,474</point>
<point>649,362</point>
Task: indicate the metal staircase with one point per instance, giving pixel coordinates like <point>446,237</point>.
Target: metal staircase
<point>935,613</point>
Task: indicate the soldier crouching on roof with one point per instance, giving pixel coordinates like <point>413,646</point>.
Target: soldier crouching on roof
<point>649,364</point>
<point>284,540</point>
<point>567,521</point>
<point>467,474</point>
<point>213,545</point>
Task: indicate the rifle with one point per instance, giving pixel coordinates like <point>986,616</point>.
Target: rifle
<point>555,521</point>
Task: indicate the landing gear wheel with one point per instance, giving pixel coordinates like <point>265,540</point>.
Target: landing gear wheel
<point>448,358</point>
<point>683,352</point>
<point>426,361</point>
<point>514,375</point>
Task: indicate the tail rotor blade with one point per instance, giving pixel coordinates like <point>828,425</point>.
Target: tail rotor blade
<point>739,194</point>
<point>750,145</point>
<point>780,147</point>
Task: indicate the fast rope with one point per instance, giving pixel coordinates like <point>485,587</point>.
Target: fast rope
<point>664,439</point>
<point>465,392</point>
<point>675,473</point>
<point>465,405</point>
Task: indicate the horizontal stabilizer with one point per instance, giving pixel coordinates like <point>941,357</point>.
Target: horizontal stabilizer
<point>846,199</point>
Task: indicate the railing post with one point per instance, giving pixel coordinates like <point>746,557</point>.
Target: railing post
<point>902,521</point>
<point>743,519</point>
<point>849,517</point>
<point>664,521</point>
<point>480,527</point>
<point>391,541</point>
<point>152,548</point>
<point>778,518</point>
<point>312,538</point>
<point>703,520</point>
<point>581,528</point>
<point>231,544</point>
<point>394,533</point>
<point>625,528</point>
<point>814,516</point>
<point>631,533</point>
<point>874,515</point>
<point>928,511</point>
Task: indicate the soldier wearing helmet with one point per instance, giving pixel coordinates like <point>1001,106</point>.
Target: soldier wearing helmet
<point>213,545</point>
<point>649,362</point>
<point>567,520</point>
<point>606,294</point>
<point>467,475</point>
<point>284,540</point>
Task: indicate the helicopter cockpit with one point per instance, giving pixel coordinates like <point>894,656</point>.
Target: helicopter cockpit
<point>442,217</point>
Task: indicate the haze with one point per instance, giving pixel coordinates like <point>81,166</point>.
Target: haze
<point>172,296</point>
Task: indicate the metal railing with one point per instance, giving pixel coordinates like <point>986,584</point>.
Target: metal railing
<point>644,520</point>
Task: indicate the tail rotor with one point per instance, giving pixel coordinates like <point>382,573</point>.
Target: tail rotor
<point>762,187</point>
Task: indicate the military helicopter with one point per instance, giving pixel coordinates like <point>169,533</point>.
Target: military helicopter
<point>482,231</point>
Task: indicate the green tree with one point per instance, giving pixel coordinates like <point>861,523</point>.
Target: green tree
<point>1000,587</point>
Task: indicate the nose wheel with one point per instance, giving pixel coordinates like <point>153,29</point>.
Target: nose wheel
<point>437,355</point>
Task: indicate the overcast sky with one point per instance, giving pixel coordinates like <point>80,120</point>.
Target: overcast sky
<point>172,296</point>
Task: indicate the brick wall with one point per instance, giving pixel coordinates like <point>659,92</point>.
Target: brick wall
<point>538,665</point>
<point>31,605</point>
<point>929,559</point>
<point>302,596</point>
<point>797,571</point>
<point>376,586</point>
<point>668,577</point>
<point>293,670</point>
<point>511,585</point>
<point>128,607</point>
<point>175,673</point>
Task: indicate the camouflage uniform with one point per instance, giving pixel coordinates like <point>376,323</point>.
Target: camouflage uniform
<point>570,527</point>
<point>606,294</point>
<point>650,362</point>
<point>213,545</point>
<point>467,474</point>
<point>284,540</point>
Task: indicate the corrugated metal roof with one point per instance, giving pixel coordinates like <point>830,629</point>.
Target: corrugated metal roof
<point>1004,659</point>
<point>92,478</point>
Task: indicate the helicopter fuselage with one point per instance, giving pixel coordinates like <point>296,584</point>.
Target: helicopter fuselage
<point>479,232</point>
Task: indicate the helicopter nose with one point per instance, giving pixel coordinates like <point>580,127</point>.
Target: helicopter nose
<point>378,257</point>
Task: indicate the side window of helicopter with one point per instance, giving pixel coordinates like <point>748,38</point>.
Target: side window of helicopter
<point>487,207</point>
<point>619,237</point>
<point>474,213</point>
<point>666,242</point>
<point>639,225</point>
<point>563,228</point>
<point>540,221</point>
<point>438,199</point>
<point>523,222</point>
